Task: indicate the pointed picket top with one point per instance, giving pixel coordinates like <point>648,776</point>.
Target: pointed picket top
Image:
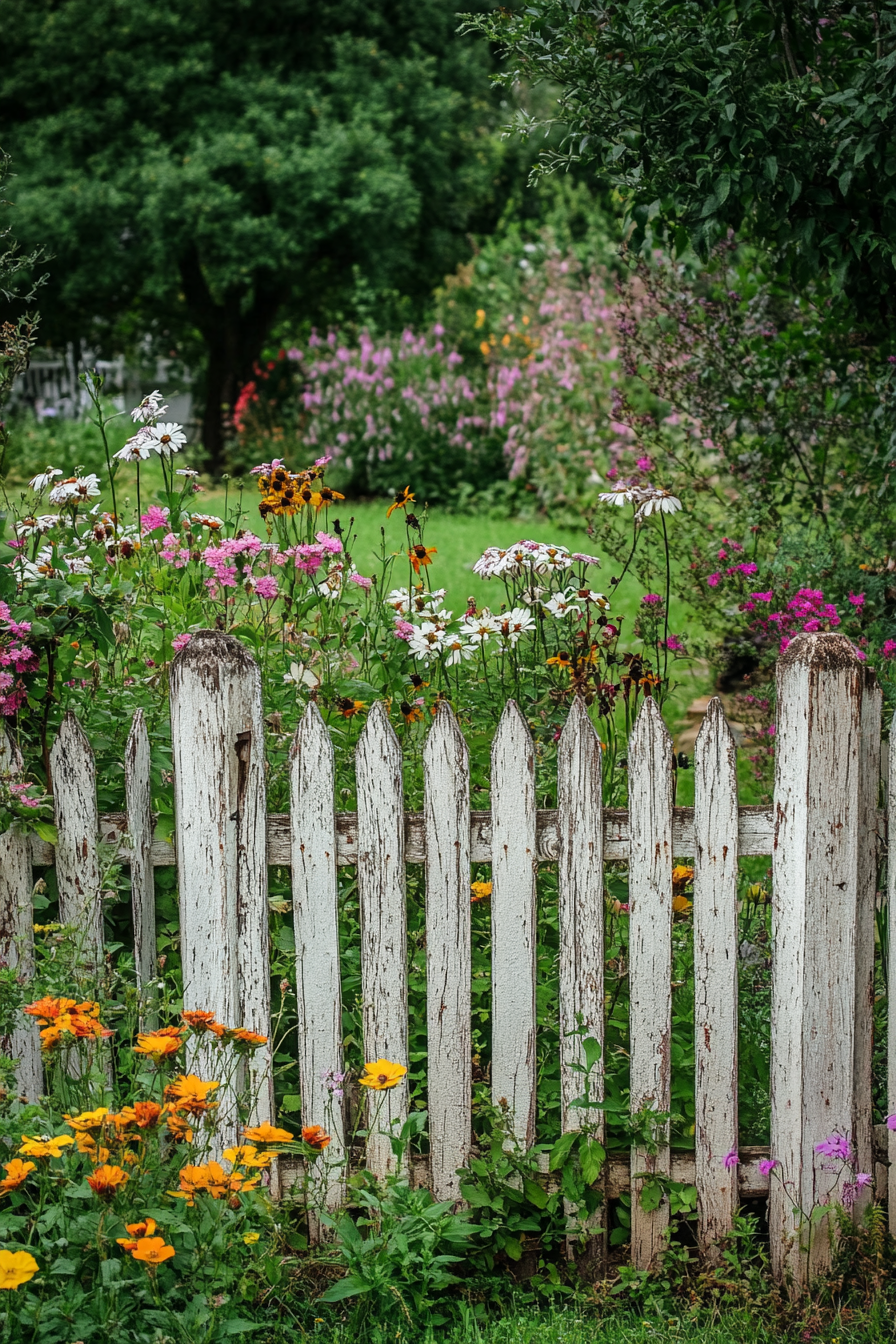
<point>446,773</point>
<point>891,972</point>
<point>715,970</point>
<point>650,961</point>
<point>77,824</point>
<point>138,791</point>
<point>17,932</point>
<point>514,858</point>
<point>315,891</point>
<point>381,889</point>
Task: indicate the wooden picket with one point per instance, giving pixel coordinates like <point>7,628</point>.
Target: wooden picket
<point>823,835</point>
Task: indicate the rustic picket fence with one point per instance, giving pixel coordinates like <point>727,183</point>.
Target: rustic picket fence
<point>825,835</point>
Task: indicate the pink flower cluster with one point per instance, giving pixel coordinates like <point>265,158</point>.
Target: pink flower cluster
<point>16,659</point>
<point>807,610</point>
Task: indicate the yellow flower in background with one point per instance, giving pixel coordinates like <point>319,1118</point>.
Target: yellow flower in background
<point>681,876</point>
<point>681,905</point>
<point>485,348</point>
<point>87,1120</point>
<point>44,1145</point>
<point>267,1133</point>
<point>247,1155</point>
<point>481,891</point>
<point>480,318</point>
<point>16,1268</point>
<point>190,1093</point>
<point>251,1238</point>
<point>382,1074</point>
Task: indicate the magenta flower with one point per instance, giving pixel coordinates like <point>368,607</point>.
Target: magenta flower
<point>731,1159</point>
<point>361,580</point>
<point>651,599</point>
<point>266,587</point>
<point>153,519</point>
<point>713,580</point>
<point>857,600</point>
<point>891,1122</point>
<point>767,1166</point>
<point>836,1145</point>
<point>888,649</point>
<point>180,642</point>
<point>863,1179</point>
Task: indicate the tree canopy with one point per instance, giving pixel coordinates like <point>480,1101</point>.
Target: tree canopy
<point>776,118</point>
<point>198,169</point>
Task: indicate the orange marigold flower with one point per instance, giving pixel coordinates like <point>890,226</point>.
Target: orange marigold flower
<point>106,1180</point>
<point>147,1114</point>
<point>410,713</point>
<point>47,1010</point>
<point>190,1092</point>
<point>242,1036</point>
<point>152,1251</point>
<point>197,1019</point>
<point>267,1133</point>
<point>178,1127</point>
<point>419,556</point>
<point>87,1120</point>
<point>681,905</point>
<point>44,1145</point>
<point>316,1137</point>
<point>158,1044</point>
<point>481,891</point>
<point>247,1155</point>
<point>144,1229</point>
<point>16,1174</point>
<point>681,875</point>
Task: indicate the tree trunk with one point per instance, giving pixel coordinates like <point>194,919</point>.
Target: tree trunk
<point>234,338</point>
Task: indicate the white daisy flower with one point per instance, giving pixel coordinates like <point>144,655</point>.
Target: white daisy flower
<point>43,479</point>
<point>562,604</point>
<point>532,593</point>
<point>32,527</point>
<point>589,595</point>
<point>455,651</point>
<point>186,471</point>
<point>150,408</point>
<point>300,675</point>
<point>75,488</point>
<point>165,439</point>
<point>621,494</point>
<point>399,600</point>
<point>479,629</point>
<point>78,564</point>
<point>657,501</point>
<point>487,566</point>
<point>137,449</point>
<point>427,640</point>
<point>516,623</point>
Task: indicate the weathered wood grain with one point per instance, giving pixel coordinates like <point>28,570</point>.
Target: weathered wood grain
<point>755,836</point>
<point>315,893</point>
<point>815,874</point>
<point>217,738</point>
<point>866,898</point>
<point>17,933</point>
<point>446,777</point>
<point>715,976</point>
<point>138,791</point>
<point>77,825</point>
<point>513,922</point>
<point>381,889</point>
<point>650,962</point>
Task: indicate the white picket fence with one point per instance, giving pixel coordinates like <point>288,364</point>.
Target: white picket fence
<point>825,835</point>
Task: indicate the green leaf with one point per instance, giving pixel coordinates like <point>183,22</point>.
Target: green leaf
<point>350,1286</point>
<point>561,1150</point>
<point>47,832</point>
<point>730,109</point>
<point>535,1194</point>
<point>592,1156</point>
<point>235,1326</point>
<point>513,1249</point>
<point>844,180</point>
<point>651,1195</point>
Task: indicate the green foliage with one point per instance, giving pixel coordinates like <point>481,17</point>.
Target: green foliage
<point>18,329</point>
<point>774,119</point>
<point>209,167</point>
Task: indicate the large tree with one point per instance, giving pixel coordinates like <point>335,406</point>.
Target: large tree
<point>775,118</point>
<point>197,169</point>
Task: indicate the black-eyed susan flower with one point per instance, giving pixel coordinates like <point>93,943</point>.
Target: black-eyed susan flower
<point>402,499</point>
<point>382,1074</point>
<point>419,556</point>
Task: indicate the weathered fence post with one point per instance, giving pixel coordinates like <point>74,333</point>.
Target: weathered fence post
<point>381,889</point>
<point>715,977</point>
<point>446,773</point>
<point>138,792</point>
<point>217,736</point>
<point>315,892</point>
<point>581,906</point>
<point>78,874</point>
<point>815,876</point>
<point>514,856</point>
<point>650,965</point>
<point>17,932</point>
<point>866,897</point>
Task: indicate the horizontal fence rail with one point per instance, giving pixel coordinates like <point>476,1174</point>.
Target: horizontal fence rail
<point>825,835</point>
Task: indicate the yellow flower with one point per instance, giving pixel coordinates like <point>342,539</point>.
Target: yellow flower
<point>485,347</point>
<point>165,1041</point>
<point>247,1155</point>
<point>481,891</point>
<point>16,1268</point>
<point>189,1093</point>
<point>382,1074</point>
<point>44,1145</point>
<point>87,1120</point>
<point>267,1133</point>
<point>681,905</point>
<point>106,1180</point>
<point>682,875</point>
<point>251,1237</point>
<point>401,501</point>
<point>152,1250</point>
<point>16,1173</point>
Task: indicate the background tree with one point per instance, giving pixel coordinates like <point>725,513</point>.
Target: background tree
<point>774,118</point>
<point>198,169</point>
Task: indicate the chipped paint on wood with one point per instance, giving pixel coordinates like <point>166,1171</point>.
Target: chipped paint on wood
<point>891,974</point>
<point>866,897</point>
<point>513,922</point>
<point>315,892</point>
<point>815,873</point>
<point>446,774</point>
<point>650,961</point>
<point>381,889</point>
<point>17,933</point>
<point>715,977</point>
<point>138,790</point>
<point>77,828</point>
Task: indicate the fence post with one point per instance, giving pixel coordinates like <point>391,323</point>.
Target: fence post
<point>815,875</point>
<point>446,773</point>
<point>78,874</point>
<point>217,735</point>
<point>866,898</point>
<point>891,974</point>
<point>17,932</point>
<point>315,894</point>
<point>514,856</point>
<point>381,889</point>
<point>715,976</point>
<point>138,792</point>
<point>581,911</point>
<point>650,964</point>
